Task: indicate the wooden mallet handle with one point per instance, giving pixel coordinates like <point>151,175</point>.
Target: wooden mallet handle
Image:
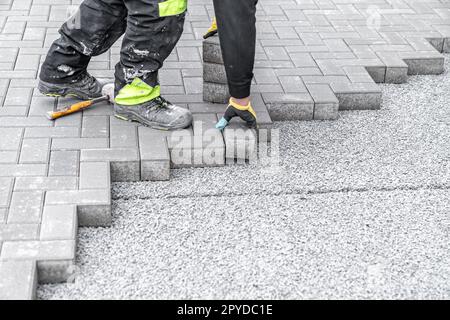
<point>53,115</point>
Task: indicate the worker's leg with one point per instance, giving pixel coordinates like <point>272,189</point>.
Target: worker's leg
<point>153,29</point>
<point>237,31</point>
<point>90,32</point>
<point>236,21</point>
<point>149,39</point>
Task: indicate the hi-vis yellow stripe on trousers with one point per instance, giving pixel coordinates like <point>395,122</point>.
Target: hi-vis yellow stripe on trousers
<point>172,7</point>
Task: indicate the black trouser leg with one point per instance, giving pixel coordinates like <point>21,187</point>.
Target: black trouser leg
<point>90,32</point>
<point>237,32</point>
<point>148,41</point>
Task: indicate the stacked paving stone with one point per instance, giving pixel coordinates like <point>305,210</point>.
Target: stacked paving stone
<point>215,84</point>
<point>313,57</point>
<point>241,142</point>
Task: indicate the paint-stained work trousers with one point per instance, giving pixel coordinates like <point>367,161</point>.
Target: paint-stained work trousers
<point>236,21</point>
<point>151,27</point>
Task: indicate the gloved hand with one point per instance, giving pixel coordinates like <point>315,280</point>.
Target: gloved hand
<point>212,30</point>
<point>246,113</point>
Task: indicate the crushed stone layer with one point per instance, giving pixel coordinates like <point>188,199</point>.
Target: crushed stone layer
<point>339,245</point>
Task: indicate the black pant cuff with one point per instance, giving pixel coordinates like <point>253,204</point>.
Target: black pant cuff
<point>240,92</point>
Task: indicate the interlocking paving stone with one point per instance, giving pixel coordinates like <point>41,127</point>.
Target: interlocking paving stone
<point>18,97</point>
<point>55,259</point>
<point>19,280</point>
<point>208,141</point>
<point>211,51</point>
<point>241,143</point>
<point>94,206</point>
<point>15,231</point>
<point>45,183</point>
<point>326,105</point>
<point>35,150</point>
<point>64,163</point>
<point>125,164</point>
<point>124,137</point>
<point>155,157</point>
<point>215,92</point>
<point>39,250</point>
<point>20,170</point>
<point>95,127</point>
<point>11,138</point>
<point>59,223</point>
<point>293,106</point>
<point>79,143</point>
<point>2,215</point>
<point>5,191</point>
<point>95,175</point>
<point>52,132</point>
<point>8,156</point>
<point>329,56</point>
<point>21,122</point>
<point>13,111</point>
<point>396,68</point>
<point>214,72</point>
<point>39,106</point>
<point>25,207</point>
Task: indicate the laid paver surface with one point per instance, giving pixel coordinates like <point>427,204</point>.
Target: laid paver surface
<point>311,55</point>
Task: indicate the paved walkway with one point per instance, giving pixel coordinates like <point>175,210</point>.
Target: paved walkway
<point>56,176</point>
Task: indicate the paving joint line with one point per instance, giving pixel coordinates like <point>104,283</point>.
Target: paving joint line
<point>289,193</point>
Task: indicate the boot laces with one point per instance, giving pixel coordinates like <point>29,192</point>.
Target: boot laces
<point>158,105</point>
<point>88,80</point>
<point>163,103</point>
